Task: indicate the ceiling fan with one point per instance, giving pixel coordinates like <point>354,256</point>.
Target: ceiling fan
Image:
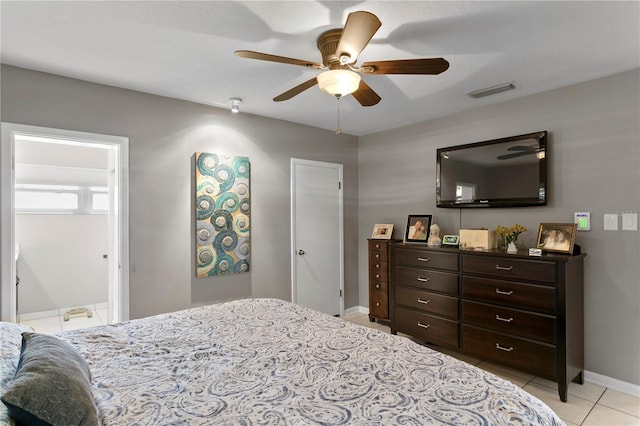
<point>340,49</point>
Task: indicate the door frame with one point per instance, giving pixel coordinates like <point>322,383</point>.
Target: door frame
<point>118,262</point>
<point>339,167</point>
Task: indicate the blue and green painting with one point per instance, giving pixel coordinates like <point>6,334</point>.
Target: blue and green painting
<point>223,208</point>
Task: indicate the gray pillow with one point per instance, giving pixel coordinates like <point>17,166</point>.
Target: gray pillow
<point>52,385</point>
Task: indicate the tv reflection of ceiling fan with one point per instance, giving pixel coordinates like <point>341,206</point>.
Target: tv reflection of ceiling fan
<point>340,49</point>
<point>519,151</point>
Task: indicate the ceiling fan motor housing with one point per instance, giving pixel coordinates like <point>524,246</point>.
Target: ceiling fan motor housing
<point>328,44</point>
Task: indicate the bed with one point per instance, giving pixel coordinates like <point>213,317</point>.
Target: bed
<point>271,362</point>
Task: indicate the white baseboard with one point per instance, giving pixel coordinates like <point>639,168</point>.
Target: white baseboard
<point>611,383</point>
<point>598,379</point>
<point>356,310</point>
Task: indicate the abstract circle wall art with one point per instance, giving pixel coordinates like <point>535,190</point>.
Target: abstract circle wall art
<point>223,211</point>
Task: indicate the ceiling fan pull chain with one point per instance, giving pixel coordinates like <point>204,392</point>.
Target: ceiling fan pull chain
<point>338,130</point>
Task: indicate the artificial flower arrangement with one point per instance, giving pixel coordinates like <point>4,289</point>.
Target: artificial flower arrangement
<point>510,235</point>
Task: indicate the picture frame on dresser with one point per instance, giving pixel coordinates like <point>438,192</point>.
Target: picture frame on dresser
<point>417,229</point>
<point>556,237</point>
<point>382,231</point>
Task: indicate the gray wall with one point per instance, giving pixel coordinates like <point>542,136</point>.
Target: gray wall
<point>163,135</point>
<point>594,166</point>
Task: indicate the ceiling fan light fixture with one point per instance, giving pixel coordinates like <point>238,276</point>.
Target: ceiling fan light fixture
<point>235,104</point>
<point>338,82</point>
<point>492,90</point>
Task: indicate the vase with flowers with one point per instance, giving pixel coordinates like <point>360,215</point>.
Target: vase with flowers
<point>510,236</point>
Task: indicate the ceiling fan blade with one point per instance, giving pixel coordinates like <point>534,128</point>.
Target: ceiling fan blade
<point>275,58</point>
<point>407,66</point>
<point>296,90</point>
<point>521,148</point>
<point>358,31</point>
<point>365,95</point>
<point>515,154</point>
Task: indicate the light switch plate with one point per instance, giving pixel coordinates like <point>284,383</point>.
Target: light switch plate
<point>610,221</point>
<point>629,221</point>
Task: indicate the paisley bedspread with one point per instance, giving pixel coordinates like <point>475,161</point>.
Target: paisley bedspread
<point>271,362</point>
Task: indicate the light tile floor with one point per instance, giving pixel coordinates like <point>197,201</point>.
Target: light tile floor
<point>57,324</point>
<point>588,404</point>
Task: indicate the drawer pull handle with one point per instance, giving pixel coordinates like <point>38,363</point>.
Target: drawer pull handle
<point>377,285</point>
<point>377,275</point>
<point>423,259</point>
<point>377,303</point>
<point>499,318</point>
<point>505,293</point>
<point>426,302</point>
<point>423,325</point>
<point>504,268</point>
<point>377,245</point>
<point>378,265</point>
<point>424,280</point>
<point>377,256</point>
<point>502,348</point>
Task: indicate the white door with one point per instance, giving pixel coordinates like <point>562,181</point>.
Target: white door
<point>317,235</point>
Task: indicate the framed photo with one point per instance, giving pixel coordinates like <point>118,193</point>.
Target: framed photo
<point>556,237</point>
<point>382,231</point>
<point>451,240</point>
<point>417,228</point>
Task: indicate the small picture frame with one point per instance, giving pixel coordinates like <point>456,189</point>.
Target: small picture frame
<point>382,231</point>
<point>450,240</point>
<point>417,228</point>
<point>556,237</point>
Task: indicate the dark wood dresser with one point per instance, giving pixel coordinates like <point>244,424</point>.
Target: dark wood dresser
<point>425,294</point>
<point>379,279</point>
<point>512,309</point>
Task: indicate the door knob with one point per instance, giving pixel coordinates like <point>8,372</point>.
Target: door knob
<point>301,252</point>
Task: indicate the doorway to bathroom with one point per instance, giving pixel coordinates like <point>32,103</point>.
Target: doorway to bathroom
<point>69,216</point>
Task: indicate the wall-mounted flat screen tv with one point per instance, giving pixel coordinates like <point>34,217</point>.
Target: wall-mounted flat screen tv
<point>507,172</point>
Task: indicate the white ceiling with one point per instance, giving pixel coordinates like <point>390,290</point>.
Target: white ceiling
<point>184,50</point>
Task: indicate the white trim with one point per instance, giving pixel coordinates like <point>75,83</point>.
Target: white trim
<point>356,310</point>
<point>9,131</point>
<point>339,167</point>
<point>611,383</point>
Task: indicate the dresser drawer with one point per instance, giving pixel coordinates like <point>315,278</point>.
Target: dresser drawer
<point>427,279</point>
<point>379,286</point>
<point>425,327</point>
<point>379,304</point>
<point>537,358</point>
<point>427,259</point>
<point>378,271</point>
<point>378,251</point>
<point>429,302</point>
<point>534,297</point>
<point>505,268</point>
<point>512,321</point>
